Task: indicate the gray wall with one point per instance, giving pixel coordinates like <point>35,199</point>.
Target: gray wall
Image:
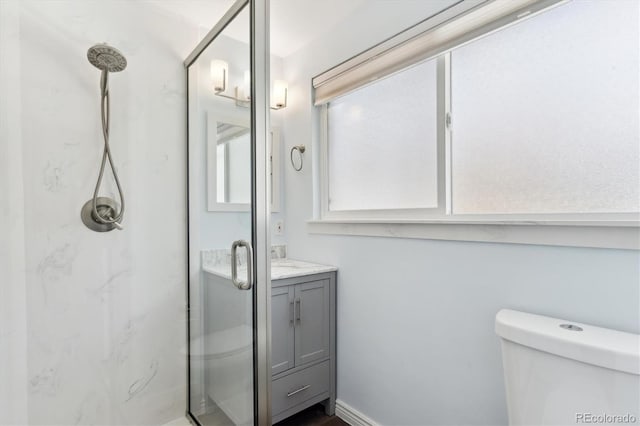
<point>416,344</point>
<point>415,318</point>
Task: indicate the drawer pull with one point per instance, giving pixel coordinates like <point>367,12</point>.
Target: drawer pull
<point>290,394</point>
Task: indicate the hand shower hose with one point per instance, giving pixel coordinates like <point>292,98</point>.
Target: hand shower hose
<point>105,112</point>
<point>102,214</point>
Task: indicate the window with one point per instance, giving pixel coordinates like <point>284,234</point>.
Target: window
<point>545,114</point>
<point>490,118</point>
<point>382,144</point>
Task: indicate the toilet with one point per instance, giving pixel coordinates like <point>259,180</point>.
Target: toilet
<point>559,372</point>
<point>223,360</point>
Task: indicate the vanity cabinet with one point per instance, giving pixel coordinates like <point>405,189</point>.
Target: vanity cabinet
<point>303,343</point>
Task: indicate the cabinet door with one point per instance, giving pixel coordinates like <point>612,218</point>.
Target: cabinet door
<point>282,332</point>
<point>312,301</point>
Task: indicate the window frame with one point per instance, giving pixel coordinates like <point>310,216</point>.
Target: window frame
<point>391,214</point>
<point>601,230</point>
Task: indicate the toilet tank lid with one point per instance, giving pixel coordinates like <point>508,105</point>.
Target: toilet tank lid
<point>607,348</point>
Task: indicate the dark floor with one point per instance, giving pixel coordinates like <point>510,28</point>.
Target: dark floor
<point>312,416</point>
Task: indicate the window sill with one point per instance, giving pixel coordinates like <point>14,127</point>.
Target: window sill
<point>598,234</point>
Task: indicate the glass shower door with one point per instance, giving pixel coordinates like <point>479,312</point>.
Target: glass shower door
<point>228,215</point>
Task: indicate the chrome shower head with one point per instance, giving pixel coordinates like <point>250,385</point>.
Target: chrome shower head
<point>106,58</point>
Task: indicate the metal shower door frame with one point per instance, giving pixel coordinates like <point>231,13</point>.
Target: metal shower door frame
<point>260,198</point>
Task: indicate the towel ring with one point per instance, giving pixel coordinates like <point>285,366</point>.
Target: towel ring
<point>300,149</point>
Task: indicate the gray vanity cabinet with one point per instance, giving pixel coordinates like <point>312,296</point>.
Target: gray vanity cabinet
<point>303,343</point>
<point>312,300</point>
<point>282,337</point>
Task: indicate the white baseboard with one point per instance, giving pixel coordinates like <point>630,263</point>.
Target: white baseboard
<point>352,416</point>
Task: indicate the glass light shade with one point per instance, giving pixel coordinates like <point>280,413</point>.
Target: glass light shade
<point>219,75</point>
<point>280,90</point>
<point>245,93</point>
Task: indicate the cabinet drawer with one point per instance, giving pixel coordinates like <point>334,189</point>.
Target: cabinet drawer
<point>288,391</point>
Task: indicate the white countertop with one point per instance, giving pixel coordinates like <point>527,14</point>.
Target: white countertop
<point>280,269</point>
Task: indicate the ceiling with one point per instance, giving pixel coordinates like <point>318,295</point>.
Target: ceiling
<point>294,23</point>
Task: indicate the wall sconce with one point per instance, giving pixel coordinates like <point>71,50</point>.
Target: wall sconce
<point>220,79</point>
<point>279,97</point>
<point>219,75</point>
<point>242,94</point>
<point>245,93</point>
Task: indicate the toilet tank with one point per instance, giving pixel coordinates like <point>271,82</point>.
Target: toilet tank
<point>559,372</point>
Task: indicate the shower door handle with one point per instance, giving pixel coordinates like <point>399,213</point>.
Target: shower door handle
<point>242,285</point>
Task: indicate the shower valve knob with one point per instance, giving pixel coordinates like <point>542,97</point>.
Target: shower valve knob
<point>107,209</point>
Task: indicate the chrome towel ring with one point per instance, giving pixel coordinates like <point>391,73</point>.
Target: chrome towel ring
<point>300,149</point>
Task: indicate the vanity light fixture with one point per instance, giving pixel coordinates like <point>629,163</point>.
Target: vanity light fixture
<point>245,93</point>
<point>220,80</point>
<point>280,91</point>
<point>219,75</point>
<point>242,94</point>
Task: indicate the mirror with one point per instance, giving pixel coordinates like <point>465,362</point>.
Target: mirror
<point>232,175</point>
<point>228,178</point>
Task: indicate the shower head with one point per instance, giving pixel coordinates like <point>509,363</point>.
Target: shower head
<point>106,58</point>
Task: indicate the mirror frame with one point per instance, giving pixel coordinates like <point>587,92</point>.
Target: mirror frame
<point>212,156</point>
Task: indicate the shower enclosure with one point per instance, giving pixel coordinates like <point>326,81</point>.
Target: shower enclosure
<point>229,288</point>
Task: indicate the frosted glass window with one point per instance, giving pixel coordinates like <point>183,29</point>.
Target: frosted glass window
<point>382,143</point>
<point>545,114</point>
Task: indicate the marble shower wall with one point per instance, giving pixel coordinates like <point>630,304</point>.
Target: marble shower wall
<point>13,334</point>
<point>105,313</point>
